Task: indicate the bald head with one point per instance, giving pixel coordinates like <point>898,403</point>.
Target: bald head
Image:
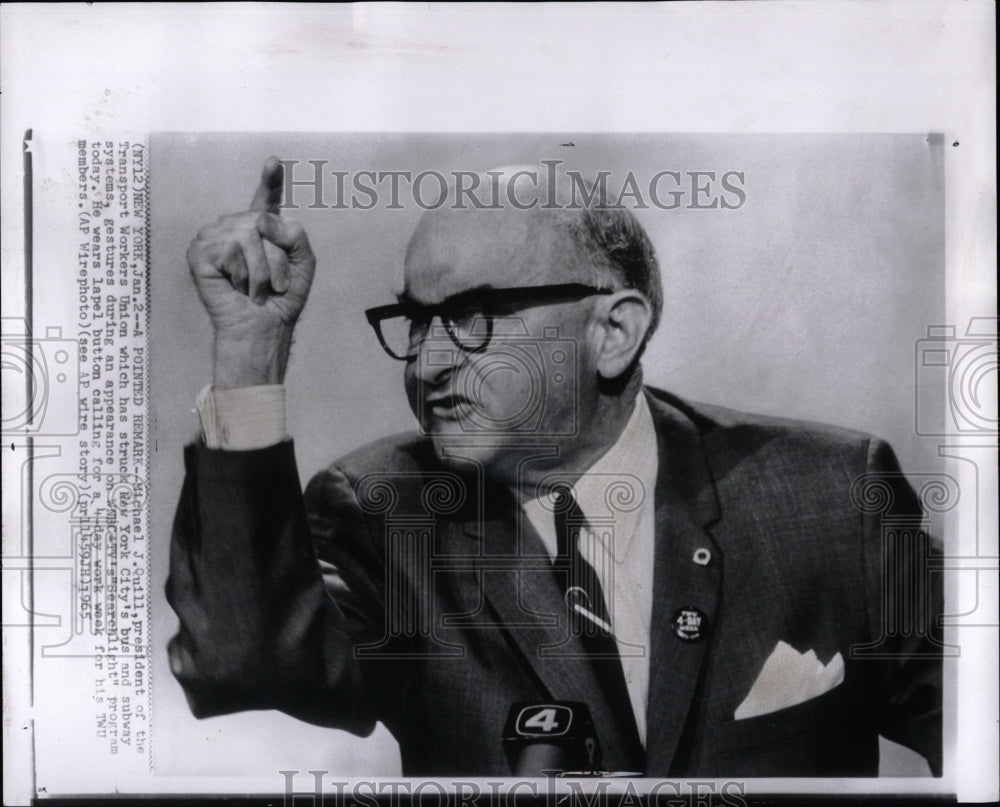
<point>507,228</point>
<point>455,250</point>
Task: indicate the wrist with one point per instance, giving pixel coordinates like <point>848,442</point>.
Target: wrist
<point>250,360</point>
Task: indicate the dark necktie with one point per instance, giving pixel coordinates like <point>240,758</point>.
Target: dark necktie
<point>588,614</point>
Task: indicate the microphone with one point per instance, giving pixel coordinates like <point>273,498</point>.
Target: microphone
<point>540,738</point>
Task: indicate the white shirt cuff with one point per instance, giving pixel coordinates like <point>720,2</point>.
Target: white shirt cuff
<point>244,418</point>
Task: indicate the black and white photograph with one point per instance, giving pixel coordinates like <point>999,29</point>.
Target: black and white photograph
<point>584,403</point>
<point>689,379</point>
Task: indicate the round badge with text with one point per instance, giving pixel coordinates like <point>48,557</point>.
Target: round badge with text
<point>689,623</point>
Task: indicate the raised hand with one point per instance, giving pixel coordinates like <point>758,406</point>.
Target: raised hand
<point>253,271</point>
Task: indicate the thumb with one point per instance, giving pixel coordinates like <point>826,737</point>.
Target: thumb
<point>285,233</point>
<point>267,197</point>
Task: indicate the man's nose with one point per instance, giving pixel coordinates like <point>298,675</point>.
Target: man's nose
<point>436,355</point>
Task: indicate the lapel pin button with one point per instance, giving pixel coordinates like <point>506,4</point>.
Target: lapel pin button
<point>702,556</point>
<point>689,623</point>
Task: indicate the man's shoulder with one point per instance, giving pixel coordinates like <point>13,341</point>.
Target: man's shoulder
<point>775,477</point>
<point>392,473</point>
<point>715,420</point>
<point>406,452</point>
<point>732,438</point>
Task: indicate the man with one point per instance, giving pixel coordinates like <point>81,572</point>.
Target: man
<point>711,585</point>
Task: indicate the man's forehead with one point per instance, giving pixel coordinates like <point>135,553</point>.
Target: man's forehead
<point>455,250</point>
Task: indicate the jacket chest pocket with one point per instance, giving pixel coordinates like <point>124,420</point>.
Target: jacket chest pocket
<point>829,735</point>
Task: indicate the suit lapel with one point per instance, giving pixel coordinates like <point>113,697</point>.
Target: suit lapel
<point>687,579</point>
<point>519,585</point>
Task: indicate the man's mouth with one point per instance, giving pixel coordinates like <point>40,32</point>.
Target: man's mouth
<point>446,407</point>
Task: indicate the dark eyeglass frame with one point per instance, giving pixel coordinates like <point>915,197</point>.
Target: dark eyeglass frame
<point>488,302</point>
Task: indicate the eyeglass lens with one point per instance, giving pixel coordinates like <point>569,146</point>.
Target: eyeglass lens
<point>469,329</point>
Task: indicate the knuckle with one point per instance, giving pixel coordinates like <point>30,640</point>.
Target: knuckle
<point>250,235</point>
<point>298,233</point>
<point>230,250</point>
<point>276,256</point>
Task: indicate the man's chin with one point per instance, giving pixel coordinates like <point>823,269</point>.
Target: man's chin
<point>500,456</point>
<point>454,446</point>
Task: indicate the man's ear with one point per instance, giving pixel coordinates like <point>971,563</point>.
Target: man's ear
<point>622,321</point>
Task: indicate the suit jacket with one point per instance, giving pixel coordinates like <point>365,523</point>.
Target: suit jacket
<point>398,591</point>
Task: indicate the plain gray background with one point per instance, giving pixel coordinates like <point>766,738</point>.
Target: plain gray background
<point>805,302</point>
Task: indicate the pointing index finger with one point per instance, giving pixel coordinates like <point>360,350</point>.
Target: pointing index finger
<point>267,197</point>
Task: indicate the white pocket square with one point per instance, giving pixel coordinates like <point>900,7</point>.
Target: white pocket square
<point>789,678</point>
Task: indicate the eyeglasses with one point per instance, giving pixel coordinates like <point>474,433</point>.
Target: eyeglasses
<point>467,317</point>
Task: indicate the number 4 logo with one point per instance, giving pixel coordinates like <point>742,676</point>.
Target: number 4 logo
<point>543,721</point>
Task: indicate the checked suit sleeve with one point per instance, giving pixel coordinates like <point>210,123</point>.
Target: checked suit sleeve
<point>905,597</point>
<point>264,622</point>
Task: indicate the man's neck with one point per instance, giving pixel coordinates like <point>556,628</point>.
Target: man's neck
<point>603,429</point>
